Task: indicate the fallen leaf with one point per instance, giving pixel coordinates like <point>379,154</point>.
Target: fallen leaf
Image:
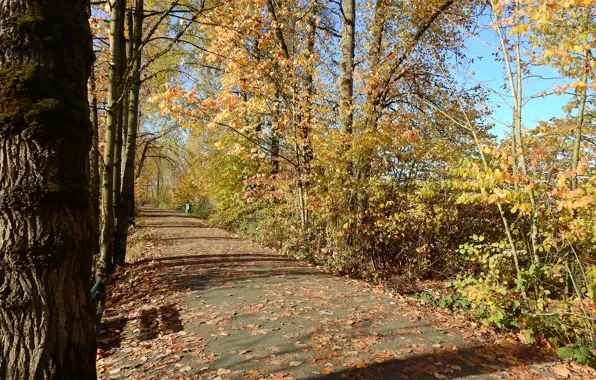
<point>223,371</point>
<point>562,370</point>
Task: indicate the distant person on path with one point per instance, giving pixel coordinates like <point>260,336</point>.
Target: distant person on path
<point>187,208</point>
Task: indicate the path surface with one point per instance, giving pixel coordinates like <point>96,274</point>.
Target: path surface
<point>212,305</point>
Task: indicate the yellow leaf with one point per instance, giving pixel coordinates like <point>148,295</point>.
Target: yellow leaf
<point>579,86</point>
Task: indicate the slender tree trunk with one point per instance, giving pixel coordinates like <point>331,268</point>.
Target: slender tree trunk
<point>346,105</point>
<point>94,175</point>
<point>107,193</point>
<point>308,89</point>
<point>515,82</point>
<point>46,314</point>
<point>346,66</point>
<point>373,100</point>
<point>275,135</point>
<point>578,134</point>
<point>120,127</point>
<point>143,159</point>
<point>520,146</point>
<point>374,84</point>
<point>306,151</point>
<point>131,140</point>
<point>129,57</point>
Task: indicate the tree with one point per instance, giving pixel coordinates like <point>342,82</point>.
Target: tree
<point>46,317</point>
<point>112,132</point>
<point>131,139</point>
<point>347,65</point>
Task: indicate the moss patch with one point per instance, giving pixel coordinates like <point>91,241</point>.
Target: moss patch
<point>33,15</point>
<point>43,110</point>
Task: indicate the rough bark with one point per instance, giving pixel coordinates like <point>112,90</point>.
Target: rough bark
<point>131,141</point>
<point>46,317</point>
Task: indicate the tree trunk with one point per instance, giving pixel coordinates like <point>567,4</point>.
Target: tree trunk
<point>120,126</point>
<point>276,135</point>
<point>374,84</point>
<point>309,88</point>
<point>129,57</point>
<point>131,140</point>
<point>107,191</point>
<point>46,314</point>
<point>577,139</point>
<point>306,151</point>
<point>346,104</point>
<point>275,148</point>
<point>94,176</point>
<point>346,66</point>
<point>141,165</point>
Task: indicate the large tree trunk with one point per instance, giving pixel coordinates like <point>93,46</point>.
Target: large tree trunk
<point>131,140</point>
<point>46,317</point>
<point>107,189</point>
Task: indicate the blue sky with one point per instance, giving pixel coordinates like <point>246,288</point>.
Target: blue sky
<point>491,74</point>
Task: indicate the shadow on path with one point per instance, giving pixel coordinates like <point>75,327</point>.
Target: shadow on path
<point>467,361</point>
<point>213,305</point>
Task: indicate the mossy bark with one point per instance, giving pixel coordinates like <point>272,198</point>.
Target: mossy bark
<point>46,314</point>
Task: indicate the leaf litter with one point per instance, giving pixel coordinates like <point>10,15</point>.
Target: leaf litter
<point>206,304</point>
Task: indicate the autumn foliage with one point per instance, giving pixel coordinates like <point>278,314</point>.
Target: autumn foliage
<point>413,180</point>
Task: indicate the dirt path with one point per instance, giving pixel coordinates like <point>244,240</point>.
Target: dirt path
<point>212,305</point>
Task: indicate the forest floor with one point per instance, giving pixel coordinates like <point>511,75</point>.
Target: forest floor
<point>206,304</point>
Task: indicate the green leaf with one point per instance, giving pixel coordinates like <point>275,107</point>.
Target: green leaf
<point>528,335</point>
<point>566,353</point>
